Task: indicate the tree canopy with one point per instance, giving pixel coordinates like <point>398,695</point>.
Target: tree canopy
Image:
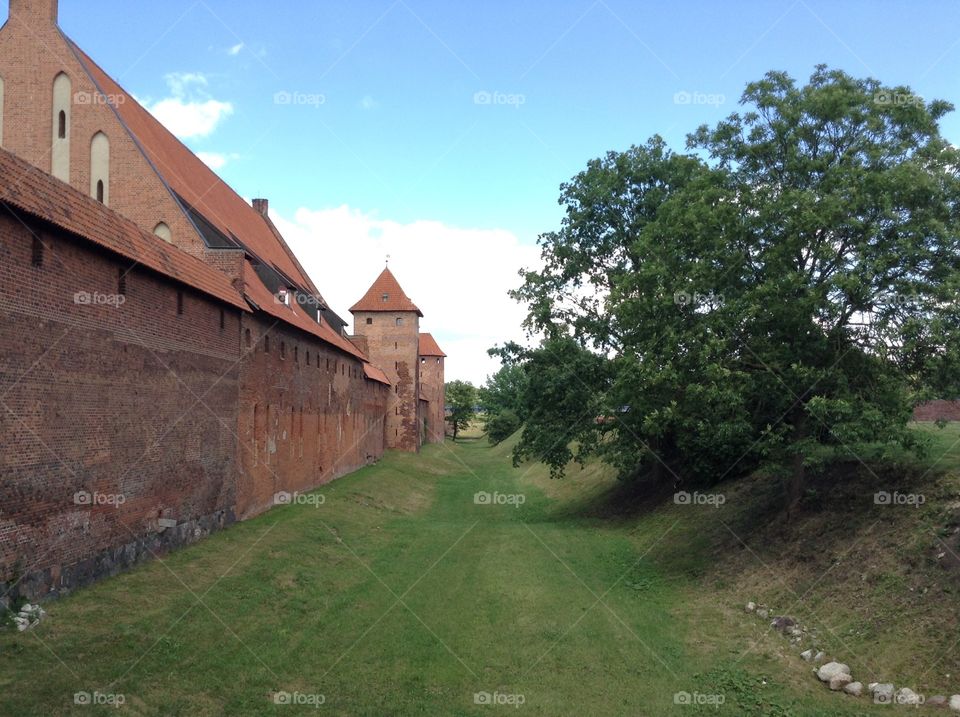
<point>789,281</point>
<point>462,402</point>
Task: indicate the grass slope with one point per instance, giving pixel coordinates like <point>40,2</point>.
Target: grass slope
<point>400,595</point>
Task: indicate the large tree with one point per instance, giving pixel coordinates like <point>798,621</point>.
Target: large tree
<point>790,283</point>
<point>462,401</point>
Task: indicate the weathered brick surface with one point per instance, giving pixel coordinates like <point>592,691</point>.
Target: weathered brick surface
<point>174,412</point>
<point>937,410</point>
<point>307,414</point>
<point>394,348</point>
<point>432,388</point>
<point>135,401</point>
<point>32,54</point>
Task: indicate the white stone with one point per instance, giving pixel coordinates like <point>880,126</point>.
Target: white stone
<point>882,692</point>
<point>955,703</point>
<point>807,655</point>
<point>906,696</point>
<point>829,670</point>
<point>763,613</point>
<point>854,688</point>
<point>751,606</point>
<point>840,680</point>
<point>820,656</point>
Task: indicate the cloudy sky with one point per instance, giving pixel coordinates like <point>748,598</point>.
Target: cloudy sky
<point>439,132</point>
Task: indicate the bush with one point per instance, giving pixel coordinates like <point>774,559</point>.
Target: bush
<point>502,425</point>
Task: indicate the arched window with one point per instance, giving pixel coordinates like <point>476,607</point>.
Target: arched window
<point>100,167</point>
<point>60,149</point>
<point>163,231</point>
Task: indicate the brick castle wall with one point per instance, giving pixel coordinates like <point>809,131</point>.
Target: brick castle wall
<point>395,348</point>
<point>937,410</point>
<point>112,416</point>
<point>308,415</point>
<point>432,387</point>
<point>31,57</point>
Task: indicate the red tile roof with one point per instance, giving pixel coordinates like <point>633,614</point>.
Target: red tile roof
<point>34,191</point>
<point>375,374</point>
<point>429,346</point>
<point>193,180</point>
<point>385,287</point>
<point>293,314</point>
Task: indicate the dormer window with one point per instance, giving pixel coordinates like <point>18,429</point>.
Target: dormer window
<point>386,297</point>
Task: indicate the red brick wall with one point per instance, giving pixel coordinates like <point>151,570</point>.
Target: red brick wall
<point>432,387</point>
<point>307,414</point>
<point>937,410</point>
<point>395,349</point>
<point>131,400</point>
<point>30,59</point>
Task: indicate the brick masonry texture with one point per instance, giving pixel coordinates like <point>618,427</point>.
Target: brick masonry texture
<point>133,405</point>
<point>131,427</point>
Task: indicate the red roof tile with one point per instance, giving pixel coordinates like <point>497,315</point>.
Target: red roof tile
<point>385,295</point>
<point>375,374</point>
<point>193,180</point>
<point>34,191</point>
<point>293,314</point>
<point>429,346</point>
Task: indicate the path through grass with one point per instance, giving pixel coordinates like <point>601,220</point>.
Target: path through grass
<point>403,594</point>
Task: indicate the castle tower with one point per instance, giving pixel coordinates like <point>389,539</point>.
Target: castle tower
<point>388,323</point>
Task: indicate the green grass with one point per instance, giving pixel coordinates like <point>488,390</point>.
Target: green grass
<point>402,596</point>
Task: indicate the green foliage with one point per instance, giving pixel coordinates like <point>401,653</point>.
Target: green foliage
<point>504,391</point>
<point>502,401</point>
<point>462,400</point>
<point>500,426</point>
<point>792,284</point>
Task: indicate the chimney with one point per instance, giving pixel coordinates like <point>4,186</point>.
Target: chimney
<point>262,206</point>
<point>34,13</point>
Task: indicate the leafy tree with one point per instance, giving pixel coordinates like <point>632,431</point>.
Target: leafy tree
<point>504,390</point>
<point>793,284</point>
<point>500,426</point>
<point>502,401</point>
<point>462,400</point>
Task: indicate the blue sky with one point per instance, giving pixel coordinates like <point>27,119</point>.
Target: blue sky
<point>392,134</point>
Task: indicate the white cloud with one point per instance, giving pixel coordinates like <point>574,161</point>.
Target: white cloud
<point>368,103</point>
<point>458,277</point>
<point>236,49</point>
<point>215,160</point>
<point>190,112</point>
